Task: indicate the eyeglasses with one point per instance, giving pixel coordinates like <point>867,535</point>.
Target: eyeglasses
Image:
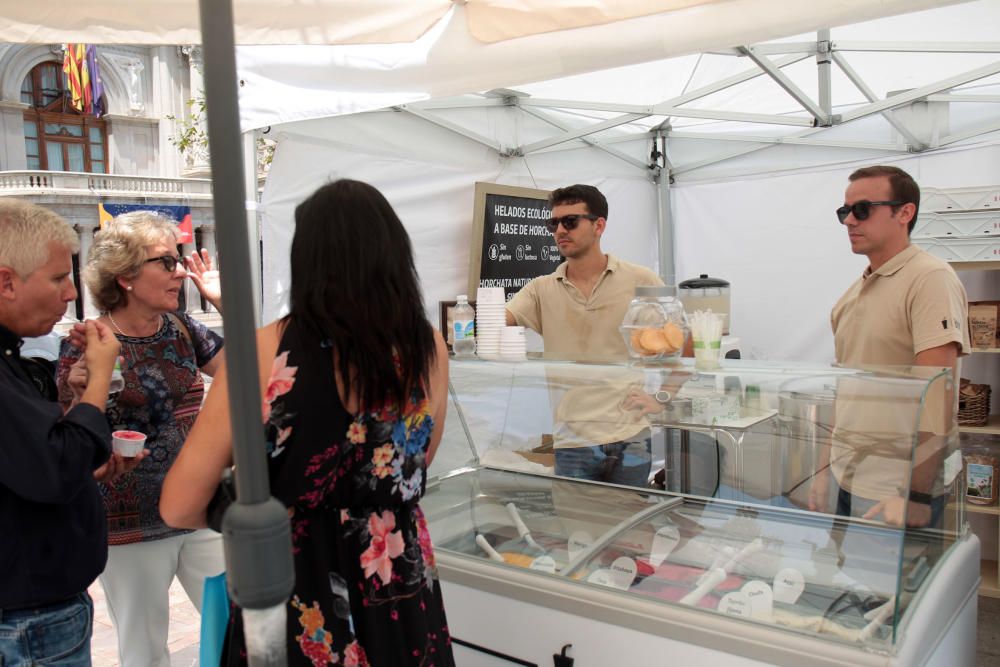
<point>569,222</point>
<point>862,209</point>
<point>169,262</point>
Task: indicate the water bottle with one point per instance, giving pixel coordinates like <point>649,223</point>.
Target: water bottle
<point>117,381</point>
<point>464,327</point>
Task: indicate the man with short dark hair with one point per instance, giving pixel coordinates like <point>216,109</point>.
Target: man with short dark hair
<point>577,309</point>
<point>51,518</point>
<point>908,308</point>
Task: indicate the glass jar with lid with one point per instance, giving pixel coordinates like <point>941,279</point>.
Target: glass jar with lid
<point>654,327</point>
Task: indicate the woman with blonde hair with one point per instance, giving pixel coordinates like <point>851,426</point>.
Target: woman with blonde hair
<point>135,276</point>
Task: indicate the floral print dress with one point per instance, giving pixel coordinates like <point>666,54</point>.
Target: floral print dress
<point>366,588</point>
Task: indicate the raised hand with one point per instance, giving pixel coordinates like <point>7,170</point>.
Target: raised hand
<point>201,270</point>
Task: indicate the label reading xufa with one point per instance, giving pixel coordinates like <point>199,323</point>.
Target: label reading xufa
<point>788,585</point>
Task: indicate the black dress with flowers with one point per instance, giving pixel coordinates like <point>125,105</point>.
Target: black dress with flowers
<point>366,588</point>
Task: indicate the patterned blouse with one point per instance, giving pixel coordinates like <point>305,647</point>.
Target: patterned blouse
<point>366,589</point>
<point>162,396</point>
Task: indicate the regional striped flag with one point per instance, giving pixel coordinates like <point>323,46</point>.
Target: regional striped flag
<point>77,76</point>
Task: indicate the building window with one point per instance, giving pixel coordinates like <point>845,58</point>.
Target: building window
<point>57,137</point>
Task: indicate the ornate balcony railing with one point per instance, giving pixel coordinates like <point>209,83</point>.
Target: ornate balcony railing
<point>14,183</point>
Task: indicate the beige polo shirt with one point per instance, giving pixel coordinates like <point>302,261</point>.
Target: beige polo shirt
<point>575,327</point>
<point>912,303</point>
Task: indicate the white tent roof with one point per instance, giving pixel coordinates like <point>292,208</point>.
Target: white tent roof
<point>451,58</point>
<point>395,21</point>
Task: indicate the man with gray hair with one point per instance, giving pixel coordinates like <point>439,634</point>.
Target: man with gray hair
<point>51,517</point>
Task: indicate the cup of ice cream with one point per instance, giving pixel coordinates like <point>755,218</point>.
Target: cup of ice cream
<point>128,443</point>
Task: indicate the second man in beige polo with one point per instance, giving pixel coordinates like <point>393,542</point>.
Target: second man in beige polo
<point>577,309</point>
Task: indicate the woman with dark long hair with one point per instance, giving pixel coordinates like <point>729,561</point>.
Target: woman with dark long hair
<point>354,383</point>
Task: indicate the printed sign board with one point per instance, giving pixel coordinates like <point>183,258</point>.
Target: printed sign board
<point>510,242</point>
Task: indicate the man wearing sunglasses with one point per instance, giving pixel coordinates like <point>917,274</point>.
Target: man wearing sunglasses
<point>908,308</point>
<point>577,309</point>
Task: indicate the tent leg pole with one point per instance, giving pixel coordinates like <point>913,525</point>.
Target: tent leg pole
<point>665,229</point>
<point>256,531</point>
<point>253,222</point>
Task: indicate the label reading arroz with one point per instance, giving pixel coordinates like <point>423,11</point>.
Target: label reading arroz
<point>788,585</point>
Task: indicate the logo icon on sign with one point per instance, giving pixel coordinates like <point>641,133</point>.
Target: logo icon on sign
<point>494,251</point>
<point>520,252</point>
<point>545,252</point>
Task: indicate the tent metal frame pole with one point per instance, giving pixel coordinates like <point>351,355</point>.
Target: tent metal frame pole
<point>665,231</point>
<point>580,132</point>
<point>682,169</point>
<point>730,81</point>
<point>779,49</point>
<point>919,93</point>
<point>870,95</point>
<point>788,86</point>
<point>669,110</point>
<point>256,530</point>
<point>587,140</point>
<point>947,97</point>
<point>450,126</point>
<point>791,140</point>
<point>918,47</point>
<point>968,134</point>
<point>823,57</point>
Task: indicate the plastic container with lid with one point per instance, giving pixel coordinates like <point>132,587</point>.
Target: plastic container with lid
<point>704,293</point>
<point>655,327</point>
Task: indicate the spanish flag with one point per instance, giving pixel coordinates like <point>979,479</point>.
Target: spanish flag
<point>78,76</point>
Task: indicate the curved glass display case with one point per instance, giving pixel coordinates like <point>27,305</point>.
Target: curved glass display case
<point>717,564</point>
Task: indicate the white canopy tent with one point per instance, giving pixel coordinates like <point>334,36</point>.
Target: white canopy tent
<point>755,181</point>
<point>500,43</point>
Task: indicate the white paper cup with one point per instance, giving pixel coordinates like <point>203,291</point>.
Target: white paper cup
<point>128,443</point>
<point>707,354</point>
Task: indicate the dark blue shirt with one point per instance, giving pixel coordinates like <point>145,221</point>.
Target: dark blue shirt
<point>53,530</point>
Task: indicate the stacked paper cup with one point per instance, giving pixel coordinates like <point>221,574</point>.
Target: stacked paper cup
<point>490,320</point>
<point>513,345</point>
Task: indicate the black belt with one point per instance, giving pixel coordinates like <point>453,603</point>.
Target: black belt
<point>42,606</point>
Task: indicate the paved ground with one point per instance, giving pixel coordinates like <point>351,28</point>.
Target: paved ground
<point>185,625</point>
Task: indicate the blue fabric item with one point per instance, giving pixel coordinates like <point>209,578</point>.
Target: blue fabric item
<point>214,619</point>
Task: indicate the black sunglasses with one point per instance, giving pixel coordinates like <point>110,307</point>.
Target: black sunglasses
<point>862,209</point>
<point>169,262</point>
<point>569,222</point>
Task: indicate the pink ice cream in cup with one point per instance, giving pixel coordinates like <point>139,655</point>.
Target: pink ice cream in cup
<point>128,443</point>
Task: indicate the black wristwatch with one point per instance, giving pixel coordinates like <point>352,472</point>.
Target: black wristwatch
<point>918,497</point>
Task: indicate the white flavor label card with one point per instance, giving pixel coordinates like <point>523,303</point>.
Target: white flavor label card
<point>788,585</point>
<point>544,564</point>
<point>735,604</point>
<point>664,542</point>
<point>579,540</point>
<point>623,572</point>
<point>761,598</point>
